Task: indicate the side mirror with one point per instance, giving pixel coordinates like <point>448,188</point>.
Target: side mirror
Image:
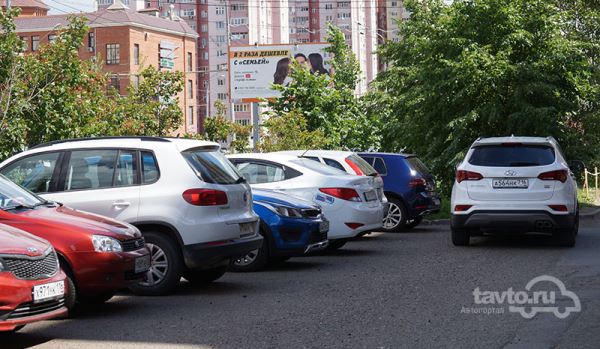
<point>576,166</point>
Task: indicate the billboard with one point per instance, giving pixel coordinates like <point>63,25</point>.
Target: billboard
<point>253,69</point>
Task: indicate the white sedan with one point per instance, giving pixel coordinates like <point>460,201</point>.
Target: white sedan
<point>349,202</point>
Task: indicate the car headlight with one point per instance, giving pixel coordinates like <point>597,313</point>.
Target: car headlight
<point>284,211</point>
<point>106,244</point>
<point>3,266</point>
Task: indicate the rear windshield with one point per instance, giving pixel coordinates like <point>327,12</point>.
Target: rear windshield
<point>212,166</point>
<point>364,166</point>
<point>514,155</point>
<point>319,167</point>
<point>417,165</point>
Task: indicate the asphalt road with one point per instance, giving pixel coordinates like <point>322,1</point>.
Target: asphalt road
<point>383,291</point>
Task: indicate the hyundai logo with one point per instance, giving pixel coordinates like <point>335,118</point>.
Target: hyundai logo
<point>32,250</point>
<point>510,173</point>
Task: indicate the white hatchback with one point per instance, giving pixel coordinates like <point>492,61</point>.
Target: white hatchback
<point>351,203</point>
<point>514,184</point>
<point>187,199</point>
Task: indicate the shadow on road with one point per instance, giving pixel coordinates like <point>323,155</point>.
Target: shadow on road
<point>526,241</point>
<point>21,340</point>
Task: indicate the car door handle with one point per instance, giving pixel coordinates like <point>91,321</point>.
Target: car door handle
<point>121,204</point>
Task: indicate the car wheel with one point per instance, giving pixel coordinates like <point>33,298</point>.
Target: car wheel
<point>335,244</point>
<point>413,223</point>
<point>568,237</point>
<point>96,299</point>
<point>395,218</point>
<point>71,297</point>
<point>165,266</point>
<point>204,277</point>
<point>253,260</point>
<point>460,237</point>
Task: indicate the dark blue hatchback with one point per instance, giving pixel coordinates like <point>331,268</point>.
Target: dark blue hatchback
<point>409,187</point>
<point>291,226</point>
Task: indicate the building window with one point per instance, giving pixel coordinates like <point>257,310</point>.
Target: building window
<point>239,7</point>
<point>204,28</point>
<point>136,54</point>
<point>220,25</point>
<point>222,67</point>
<point>203,43</point>
<point>221,38</point>
<point>51,38</point>
<point>329,6</point>
<point>220,53</point>
<point>220,82</point>
<point>190,13</point>
<point>190,62</point>
<point>203,14</point>
<point>205,55</point>
<point>112,54</point>
<point>329,18</point>
<point>222,96</point>
<point>240,108</point>
<point>115,83</point>
<point>239,36</point>
<point>190,115</point>
<point>220,10</point>
<point>343,15</point>
<point>135,80</point>
<point>205,83</point>
<point>91,42</point>
<point>394,3</point>
<point>35,43</point>
<point>25,46</point>
<point>238,21</point>
<point>190,89</point>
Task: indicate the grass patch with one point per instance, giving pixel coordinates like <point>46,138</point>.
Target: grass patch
<point>584,199</point>
<point>444,211</point>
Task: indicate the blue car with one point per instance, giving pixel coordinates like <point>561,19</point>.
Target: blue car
<point>291,226</point>
<point>409,187</point>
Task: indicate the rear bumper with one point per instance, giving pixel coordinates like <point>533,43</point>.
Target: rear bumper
<point>425,203</point>
<point>513,221</point>
<point>370,218</point>
<point>207,255</point>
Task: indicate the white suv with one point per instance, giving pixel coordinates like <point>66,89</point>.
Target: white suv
<point>517,184</point>
<point>188,200</point>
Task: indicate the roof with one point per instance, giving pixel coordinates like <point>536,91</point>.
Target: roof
<point>318,152</point>
<point>514,139</point>
<point>25,3</point>
<point>276,157</point>
<point>376,153</point>
<point>108,18</point>
<point>118,142</point>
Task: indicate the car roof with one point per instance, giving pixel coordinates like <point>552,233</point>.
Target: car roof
<point>121,142</point>
<point>277,157</point>
<point>317,152</point>
<point>404,155</point>
<point>514,139</point>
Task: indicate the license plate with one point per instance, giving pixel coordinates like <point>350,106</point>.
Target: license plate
<point>324,226</point>
<point>142,264</point>
<point>48,291</point>
<point>504,183</point>
<point>371,195</point>
<point>247,229</point>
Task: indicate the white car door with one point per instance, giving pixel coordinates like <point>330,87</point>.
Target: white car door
<point>102,181</point>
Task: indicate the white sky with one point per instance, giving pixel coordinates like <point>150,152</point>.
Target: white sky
<point>69,6</point>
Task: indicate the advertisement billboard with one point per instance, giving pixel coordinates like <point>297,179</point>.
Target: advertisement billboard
<point>254,69</point>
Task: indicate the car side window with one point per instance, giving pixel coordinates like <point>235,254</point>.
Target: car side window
<point>90,169</point>
<point>33,172</point>
<point>257,172</point>
<point>126,173</point>
<point>150,171</point>
<point>334,163</point>
<point>379,166</point>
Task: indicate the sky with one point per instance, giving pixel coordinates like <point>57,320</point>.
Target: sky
<point>58,7</point>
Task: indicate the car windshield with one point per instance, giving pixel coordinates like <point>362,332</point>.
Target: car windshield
<point>513,155</point>
<point>13,196</point>
<point>319,167</point>
<point>212,166</point>
<point>364,166</point>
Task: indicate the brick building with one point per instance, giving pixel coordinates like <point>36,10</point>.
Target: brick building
<point>127,41</point>
<point>29,8</point>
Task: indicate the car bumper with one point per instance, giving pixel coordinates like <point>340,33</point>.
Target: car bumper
<point>513,221</point>
<point>425,203</point>
<point>210,254</point>
<point>100,272</point>
<point>370,218</point>
<point>297,236</point>
<point>16,302</point>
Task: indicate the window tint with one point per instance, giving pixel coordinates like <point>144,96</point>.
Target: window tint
<point>417,165</point>
<point>334,163</point>
<point>362,164</point>
<point>256,172</point>
<point>126,173</point>
<point>149,168</point>
<point>319,167</point>
<point>33,172</point>
<point>211,166</point>
<point>90,169</point>
<point>368,159</point>
<point>379,166</point>
<point>514,155</point>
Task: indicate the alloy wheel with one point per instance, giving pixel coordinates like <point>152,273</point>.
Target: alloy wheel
<point>393,217</point>
<point>247,259</point>
<point>159,265</point>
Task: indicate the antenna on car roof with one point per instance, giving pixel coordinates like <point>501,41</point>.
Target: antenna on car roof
<point>301,156</point>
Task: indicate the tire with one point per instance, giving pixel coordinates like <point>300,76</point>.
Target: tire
<point>96,299</point>
<point>395,218</point>
<point>568,237</point>
<point>205,277</point>
<point>71,298</point>
<point>166,266</point>
<point>335,244</point>
<point>460,237</point>
<point>414,223</point>
<point>254,260</point>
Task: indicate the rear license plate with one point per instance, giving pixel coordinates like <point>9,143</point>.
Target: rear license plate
<point>509,183</point>
<point>324,226</point>
<point>142,264</point>
<point>247,229</point>
<point>48,291</point>
<point>371,195</point>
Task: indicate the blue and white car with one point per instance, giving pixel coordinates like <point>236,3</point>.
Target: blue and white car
<point>290,227</point>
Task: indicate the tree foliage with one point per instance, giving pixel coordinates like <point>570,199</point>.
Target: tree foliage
<point>486,68</point>
<point>218,128</point>
<point>289,131</point>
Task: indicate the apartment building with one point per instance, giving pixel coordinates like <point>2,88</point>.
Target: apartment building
<point>29,8</point>
<point>126,41</point>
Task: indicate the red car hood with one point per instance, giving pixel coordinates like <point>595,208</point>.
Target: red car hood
<point>64,218</point>
<point>16,241</point>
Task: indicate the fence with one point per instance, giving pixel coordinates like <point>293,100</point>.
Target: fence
<point>586,183</point>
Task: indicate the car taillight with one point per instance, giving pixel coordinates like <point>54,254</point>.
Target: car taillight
<point>559,208</point>
<point>462,175</point>
<point>354,225</point>
<point>417,183</point>
<point>462,208</point>
<point>354,167</point>
<point>205,197</point>
<point>558,175</point>
<point>342,193</point>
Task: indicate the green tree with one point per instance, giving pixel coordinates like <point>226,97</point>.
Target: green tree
<point>484,68</point>
<point>217,128</point>
<point>289,131</point>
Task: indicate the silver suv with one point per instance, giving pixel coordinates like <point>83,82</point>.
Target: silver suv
<point>188,200</point>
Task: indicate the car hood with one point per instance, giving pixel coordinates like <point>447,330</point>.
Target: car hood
<point>279,198</point>
<point>16,241</point>
<point>65,218</point>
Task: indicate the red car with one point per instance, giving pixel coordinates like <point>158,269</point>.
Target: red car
<point>32,286</point>
<point>99,255</point>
